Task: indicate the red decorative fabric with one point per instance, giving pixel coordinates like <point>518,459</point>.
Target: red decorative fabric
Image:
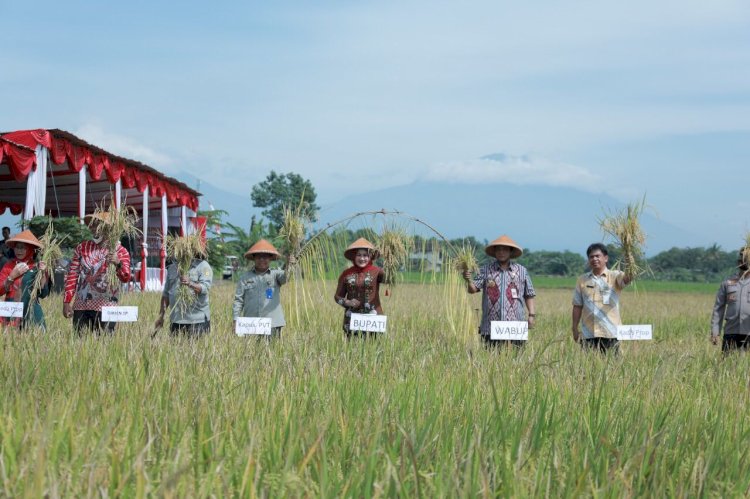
<point>20,161</point>
<point>114,172</point>
<point>15,209</point>
<point>30,138</point>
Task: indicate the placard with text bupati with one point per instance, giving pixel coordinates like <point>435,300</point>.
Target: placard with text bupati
<point>370,323</point>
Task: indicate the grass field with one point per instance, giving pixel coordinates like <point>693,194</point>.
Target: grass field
<point>424,411</point>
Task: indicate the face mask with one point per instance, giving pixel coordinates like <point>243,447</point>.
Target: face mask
<point>98,240</point>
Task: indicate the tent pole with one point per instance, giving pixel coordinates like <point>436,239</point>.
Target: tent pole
<point>144,245</point>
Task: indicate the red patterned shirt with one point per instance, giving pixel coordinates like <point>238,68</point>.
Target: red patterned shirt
<point>87,277</point>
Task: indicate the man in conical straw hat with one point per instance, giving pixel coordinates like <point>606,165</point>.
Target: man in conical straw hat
<point>732,309</point>
<point>506,287</point>
<point>17,279</point>
<point>358,289</point>
<point>258,292</point>
<point>87,282</point>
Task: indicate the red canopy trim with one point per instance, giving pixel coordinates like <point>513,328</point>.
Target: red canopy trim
<point>14,208</point>
<point>20,160</point>
<point>65,147</point>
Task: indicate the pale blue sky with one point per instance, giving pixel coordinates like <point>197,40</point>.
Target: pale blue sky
<point>617,97</point>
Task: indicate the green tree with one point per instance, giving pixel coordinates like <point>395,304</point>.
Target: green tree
<point>278,191</point>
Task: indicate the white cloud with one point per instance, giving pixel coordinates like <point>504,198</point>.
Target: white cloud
<point>123,146</point>
<point>519,170</point>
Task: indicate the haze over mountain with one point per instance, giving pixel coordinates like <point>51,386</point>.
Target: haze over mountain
<point>550,217</point>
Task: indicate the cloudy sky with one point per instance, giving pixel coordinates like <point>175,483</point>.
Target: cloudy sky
<point>615,97</point>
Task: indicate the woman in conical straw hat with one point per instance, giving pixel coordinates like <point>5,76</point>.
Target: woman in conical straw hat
<point>506,287</point>
<point>358,289</point>
<point>258,292</point>
<point>18,276</point>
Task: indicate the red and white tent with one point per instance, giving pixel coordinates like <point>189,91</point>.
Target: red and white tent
<point>53,172</point>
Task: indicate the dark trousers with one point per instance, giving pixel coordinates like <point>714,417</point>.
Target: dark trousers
<point>603,345</point>
<point>490,343</point>
<point>91,321</point>
<point>360,334</point>
<point>731,342</point>
<point>190,330</point>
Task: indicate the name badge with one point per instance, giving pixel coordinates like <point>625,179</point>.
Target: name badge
<point>119,314</point>
<point>248,326</point>
<point>514,293</point>
<point>370,323</point>
<point>635,332</point>
<point>509,330</point>
<point>12,309</point>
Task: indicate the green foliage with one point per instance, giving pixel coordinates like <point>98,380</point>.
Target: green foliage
<point>67,229</point>
<point>217,248</point>
<point>285,190</point>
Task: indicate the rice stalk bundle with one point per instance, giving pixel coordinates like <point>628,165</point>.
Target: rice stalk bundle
<point>183,250</point>
<point>465,260</point>
<point>625,228</point>
<point>49,254</point>
<point>746,253</point>
<point>395,245</point>
<point>112,225</point>
<point>293,231</point>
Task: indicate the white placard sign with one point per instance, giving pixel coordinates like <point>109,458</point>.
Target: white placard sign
<point>247,326</point>
<point>370,323</point>
<point>635,332</point>
<point>119,314</point>
<point>509,330</point>
<point>13,309</point>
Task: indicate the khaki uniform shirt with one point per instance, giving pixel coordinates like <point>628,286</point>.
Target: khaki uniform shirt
<point>732,306</point>
<point>200,273</point>
<point>258,295</point>
<point>600,298</point>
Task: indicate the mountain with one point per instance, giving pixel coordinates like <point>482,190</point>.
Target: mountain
<point>239,208</point>
<point>537,217</point>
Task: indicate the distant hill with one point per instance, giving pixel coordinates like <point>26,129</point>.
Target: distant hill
<point>537,217</point>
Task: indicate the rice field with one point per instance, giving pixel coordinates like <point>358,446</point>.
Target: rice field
<point>424,411</point>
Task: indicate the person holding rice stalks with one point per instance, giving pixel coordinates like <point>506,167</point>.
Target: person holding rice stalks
<point>506,287</point>
<point>88,279</point>
<point>732,308</point>
<point>596,302</point>
<point>258,292</point>
<point>358,289</point>
<point>186,288</point>
<point>18,276</point>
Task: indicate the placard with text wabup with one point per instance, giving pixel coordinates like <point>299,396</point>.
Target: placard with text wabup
<point>509,330</point>
<point>635,332</point>
<point>369,323</point>
<point>250,326</point>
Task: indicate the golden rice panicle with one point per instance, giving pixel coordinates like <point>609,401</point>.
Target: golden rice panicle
<point>625,229</point>
<point>113,224</point>
<point>49,254</point>
<point>183,249</point>
<point>465,259</point>
<point>395,246</point>
<point>746,252</point>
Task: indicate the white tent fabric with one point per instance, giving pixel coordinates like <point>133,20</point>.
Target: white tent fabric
<point>36,186</point>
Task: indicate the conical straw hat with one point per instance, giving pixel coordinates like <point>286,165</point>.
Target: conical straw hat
<point>25,237</point>
<point>262,247</point>
<point>360,243</point>
<point>504,240</point>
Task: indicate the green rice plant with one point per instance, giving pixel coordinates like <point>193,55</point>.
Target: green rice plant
<point>746,253</point>
<point>625,229</point>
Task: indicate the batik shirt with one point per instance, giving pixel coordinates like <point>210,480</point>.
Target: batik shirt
<point>600,298</point>
<point>503,293</point>
<point>87,277</point>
